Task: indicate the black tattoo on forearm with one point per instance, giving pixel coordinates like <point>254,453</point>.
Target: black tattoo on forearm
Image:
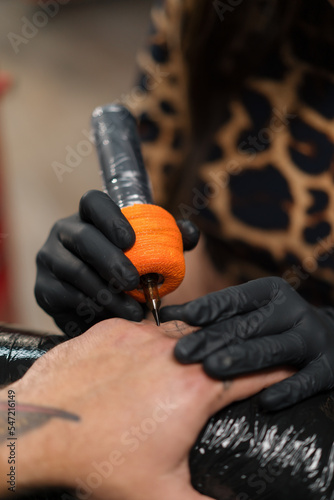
<point>29,417</point>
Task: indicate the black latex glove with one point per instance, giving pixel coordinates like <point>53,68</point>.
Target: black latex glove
<point>82,272</point>
<point>261,324</point>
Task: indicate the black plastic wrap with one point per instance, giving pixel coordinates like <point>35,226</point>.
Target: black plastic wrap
<point>121,163</point>
<point>20,348</point>
<point>246,454</point>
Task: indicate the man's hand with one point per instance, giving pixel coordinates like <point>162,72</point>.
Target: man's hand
<point>113,415</point>
<point>263,323</point>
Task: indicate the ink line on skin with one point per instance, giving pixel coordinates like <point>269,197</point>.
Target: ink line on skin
<point>177,329</point>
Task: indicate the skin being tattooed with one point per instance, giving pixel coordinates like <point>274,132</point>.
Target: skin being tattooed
<point>134,400</point>
<point>29,417</point>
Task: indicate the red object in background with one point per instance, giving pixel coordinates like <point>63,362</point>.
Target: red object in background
<point>6,309</point>
<point>5,83</point>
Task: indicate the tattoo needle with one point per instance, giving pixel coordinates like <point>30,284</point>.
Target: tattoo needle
<point>149,283</point>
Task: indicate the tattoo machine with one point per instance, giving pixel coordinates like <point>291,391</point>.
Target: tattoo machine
<point>158,250</point>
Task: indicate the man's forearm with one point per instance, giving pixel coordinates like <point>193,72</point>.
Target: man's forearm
<point>16,456</point>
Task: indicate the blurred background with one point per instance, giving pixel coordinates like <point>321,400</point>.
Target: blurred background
<point>51,78</point>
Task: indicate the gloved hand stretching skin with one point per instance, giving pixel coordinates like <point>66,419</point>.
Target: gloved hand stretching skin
<point>82,272</point>
<point>260,324</point>
<point>113,415</point>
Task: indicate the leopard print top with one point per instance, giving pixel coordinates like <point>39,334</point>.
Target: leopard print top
<point>266,188</point>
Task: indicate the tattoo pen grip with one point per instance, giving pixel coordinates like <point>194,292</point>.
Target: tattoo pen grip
<point>158,251</point>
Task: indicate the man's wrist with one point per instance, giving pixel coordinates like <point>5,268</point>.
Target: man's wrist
<point>31,453</point>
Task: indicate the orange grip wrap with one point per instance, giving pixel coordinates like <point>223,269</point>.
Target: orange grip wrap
<point>158,247</point>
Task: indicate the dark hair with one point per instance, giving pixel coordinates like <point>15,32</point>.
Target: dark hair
<point>222,48</point>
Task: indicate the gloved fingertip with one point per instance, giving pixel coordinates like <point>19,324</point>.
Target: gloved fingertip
<point>189,349</point>
<point>126,239</point>
<point>190,234</point>
<point>137,316</point>
<point>136,313</point>
<point>217,366</point>
<point>131,281</point>
<point>273,400</point>
<point>126,235</point>
<point>181,355</point>
<point>169,313</point>
<point>132,315</point>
